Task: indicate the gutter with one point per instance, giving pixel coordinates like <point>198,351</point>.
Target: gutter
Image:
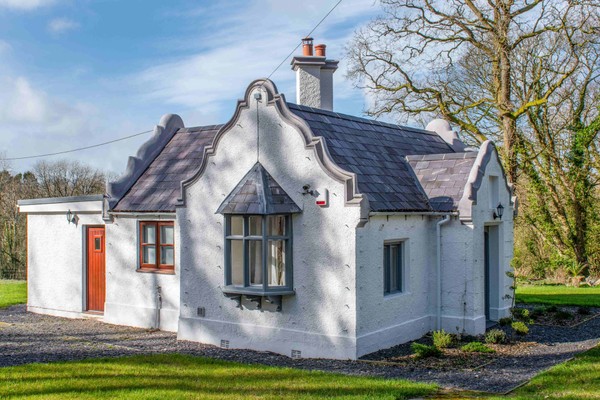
<point>436,213</point>
<point>143,214</point>
<point>438,270</point>
<point>57,200</point>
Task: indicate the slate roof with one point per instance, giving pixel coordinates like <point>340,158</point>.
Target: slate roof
<point>158,188</point>
<point>258,193</point>
<point>376,152</point>
<point>443,177</point>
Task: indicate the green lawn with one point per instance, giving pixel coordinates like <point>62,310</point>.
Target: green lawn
<point>172,376</point>
<point>575,379</point>
<point>559,295</point>
<point>12,292</point>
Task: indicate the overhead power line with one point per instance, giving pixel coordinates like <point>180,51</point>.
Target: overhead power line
<point>308,35</point>
<point>143,133</point>
<point>77,149</point>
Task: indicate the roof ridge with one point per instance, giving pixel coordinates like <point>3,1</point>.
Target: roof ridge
<point>359,119</point>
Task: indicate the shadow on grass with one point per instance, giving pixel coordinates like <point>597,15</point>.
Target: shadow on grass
<point>178,376</point>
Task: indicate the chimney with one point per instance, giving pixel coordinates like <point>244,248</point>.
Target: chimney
<point>314,76</point>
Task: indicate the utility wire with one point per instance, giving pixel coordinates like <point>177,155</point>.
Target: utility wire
<point>143,133</point>
<point>308,35</point>
<point>77,149</point>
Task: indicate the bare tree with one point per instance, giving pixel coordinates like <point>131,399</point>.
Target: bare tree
<point>49,179</point>
<point>68,178</point>
<point>12,224</point>
<point>456,58</point>
<point>560,172</point>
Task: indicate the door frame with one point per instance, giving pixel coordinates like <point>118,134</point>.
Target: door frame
<point>492,270</point>
<point>84,283</point>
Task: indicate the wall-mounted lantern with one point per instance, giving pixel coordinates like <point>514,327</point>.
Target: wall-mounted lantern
<point>72,218</point>
<point>499,211</point>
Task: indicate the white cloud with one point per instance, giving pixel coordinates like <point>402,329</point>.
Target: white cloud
<point>25,5</point>
<point>33,121</point>
<point>61,25</point>
<point>248,42</point>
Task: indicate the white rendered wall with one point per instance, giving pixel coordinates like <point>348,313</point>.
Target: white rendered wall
<point>131,296</point>
<point>463,260</point>
<point>387,320</point>
<point>56,262</point>
<point>483,216</point>
<point>460,280</point>
<point>319,320</point>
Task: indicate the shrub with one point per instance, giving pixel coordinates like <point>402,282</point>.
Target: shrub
<point>538,312</point>
<point>552,308</point>
<point>506,321</point>
<point>583,311</point>
<point>477,347</point>
<point>520,328</point>
<point>521,314</point>
<point>423,351</point>
<point>495,336</point>
<point>442,339</point>
<point>563,315</point>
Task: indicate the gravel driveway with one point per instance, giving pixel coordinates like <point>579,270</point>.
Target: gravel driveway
<point>27,338</point>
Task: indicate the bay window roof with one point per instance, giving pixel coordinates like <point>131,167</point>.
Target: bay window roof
<point>258,193</point>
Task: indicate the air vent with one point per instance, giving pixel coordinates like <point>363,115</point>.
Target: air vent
<point>296,354</point>
<point>224,344</point>
<point>201,311</point>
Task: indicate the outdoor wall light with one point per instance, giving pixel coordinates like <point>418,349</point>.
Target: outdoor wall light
<point>499,211</point>
<point>71,218</point>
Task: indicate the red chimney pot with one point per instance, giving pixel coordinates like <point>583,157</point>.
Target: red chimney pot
<point>307,46</point>
<point>320,50</point>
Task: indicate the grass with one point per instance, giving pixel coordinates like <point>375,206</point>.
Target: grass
<point>12,292</point>
<point>575,379</point>
<point>173,376</point>
<point>559,295</point>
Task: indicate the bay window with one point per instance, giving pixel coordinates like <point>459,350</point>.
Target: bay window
<point>258,253</point>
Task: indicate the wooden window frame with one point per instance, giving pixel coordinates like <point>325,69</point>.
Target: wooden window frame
<point>157,266</point>
<point>387,267</point>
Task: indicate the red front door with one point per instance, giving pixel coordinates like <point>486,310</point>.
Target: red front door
<point>96,275</point>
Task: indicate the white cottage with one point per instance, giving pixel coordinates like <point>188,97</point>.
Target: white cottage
<point>291,228</point>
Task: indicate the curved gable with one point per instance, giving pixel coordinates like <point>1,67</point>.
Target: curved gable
<point>165,130</point>
<point>469,199</point>
<point>277,100</point>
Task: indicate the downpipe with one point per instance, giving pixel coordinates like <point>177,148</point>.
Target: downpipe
<point>158,307</point>
<point>438,271</point>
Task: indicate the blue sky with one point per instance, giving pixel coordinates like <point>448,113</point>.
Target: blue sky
<point>80,72</point>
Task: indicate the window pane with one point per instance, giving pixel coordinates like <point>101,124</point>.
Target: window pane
<point>276,263</point>
<point>98,243</point>
<point>255,225</point>
<point>276,225</point>
<point>394,268</point>
<point>149,234</point>
<point>149,255</point>
<point>167,255</point>
<point>236,226</point>
<point>166,234</point>
<point>237,262</point>
<point>255,261</point>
